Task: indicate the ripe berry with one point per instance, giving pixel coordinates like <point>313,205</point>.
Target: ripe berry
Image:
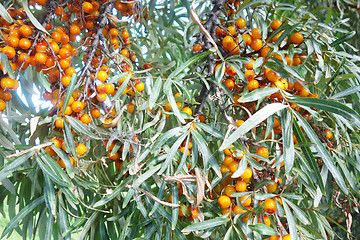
<point>113,32</point>
<point>233,166</point>
<point>240,186</point>
<point>77,106</point>
<point>187,110</point>
<point>246,202</point>
<point>7,83</point>
<point>224,202</point>
<point>9,52</point>
<point>247,174</point>
<point>140,86</point>
<point>271,187</point>
<point>95,113</point>
<point>262,151</point>
<point>275,24</point>
<point>85,118</point>
<point>252,85</point>
<point>328,134</point>
<point>102,76</point>
<point>256,44</point>
<point>87,7</point>
<point>81,149</point>
<point>228,160</point>
<point>124,34</point>
<point>130,108</point>
<point>25,30</point>
<point>2,105</point>
<point>229,190</point>
<point>270,206</point>
<point>59,123</point>
<point>74,30</point>
<point>197,47</point>
<point>229,83</point>
<point>240,23</point>
<point>255,33</point>
<point>297,38</point>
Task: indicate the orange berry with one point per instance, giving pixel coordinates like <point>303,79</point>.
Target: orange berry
<point>328,134</point>
<point>247,39</point>
<point>81,149</point>
<point>229,190</point>
<point>252,85</point>
<point>249,74</point>
<point>270,206</point>
<point>247,174</point>
<point>256,44</point>
<point>187,110</point>
<point>87,7</point>
<point>40,57</point>
<point>297,38</point>
<point>262,151</point>
<point>224,169</point>
<point>130,108</point>
<point>24,43</point>
<point>25,30</point>
<point>74,29</point>
<point>59,123</point>
<point>64,64</point>
<point>233,166</point>
<point>109,88</point>
<point>77,106</point>
<point>124,34</point>
<point>247,202</point>
<point>255,33</point>
<point>197,47</point>
<point>101,97</point>
<point>286,237</point>
<point>250,65</point>
<point>275,24</point>
<point>13,41</point>
<point>228,43</point>
<point>102,76</point>
<point>274,237</point>
<point>114,157</point>
<point>65,80</point>
<point>95,113</point>
<point>7,83</point>
<point>113,32</point>
<point>85,118</point>
<point>271,187</point>
<point>228,160</point>
<point>239,123</point>
<point>139,86</point>
<point>9,52</point>
<point>224,202</point>
<point>231,30</point>
<point>240,23</point>
<point>229,84</point>
<point>2,105</point>
<point>240,186</point>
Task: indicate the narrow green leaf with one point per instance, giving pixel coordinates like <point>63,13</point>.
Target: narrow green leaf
<point>5,14</point>
<point>329,106</point>
<point>117,77</point>
<point>155,92</point>
<point>208,157</point>
<point>49,193</point>
<point>291,221</point>
<point>189,62</point>
<point>66,160</point>
<point>288,142</point>
<point>343,39</point>
<point>171,99</point>
<point>175,210</point>
<point>69,92</point>
<point>323,153</point>
<point>257,94</point>
<point>6,66</point>
<point>33,20</point>
<point>341,77</point>
<point>166,136</point>
<point>220,71</point>
<point>299,214</point>
<point>122,87</point>
<point>81,128</point>
<point>263,229</point>
<point>206,224</point>
<point>69,139</point>
<point>10,167</point>
<point>44,82</point>
<point>253,121</point>
<point>113,194</point>
<point>171,154</point>
<point>347,92</point>
<point>23,212</point>
<point>211,130</point>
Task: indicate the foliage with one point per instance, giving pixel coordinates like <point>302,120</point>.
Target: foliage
<point>177,120</point>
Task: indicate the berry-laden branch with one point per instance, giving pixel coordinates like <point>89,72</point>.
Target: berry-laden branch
<point>210,26</point>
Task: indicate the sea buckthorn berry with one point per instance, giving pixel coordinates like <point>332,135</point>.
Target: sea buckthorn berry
<point>228,43</point>
<point>255,33</point>
<point>85,118</point>
<point>2,105</point>
<point>9,52</point>
<point>271,187</point>
<point>233,166</point>
<point>81,149</point>
<point>250,65</point>
<point>13,41</point>
<point>286,237</point>
<point>239,123</point>
<point>139,86</point>
<point>124,34</point>
<point>114,157</point>
<point>240,186</point>
<point>25,31</point>
<point>24,43</point>
<point>224,202</point>
<point>77,106</point>
<point>101,97</point>
<point>228,160</point>
<point>252,85</point>
<point>256,44</point>
<point>274,237</point>
<point>270,206</point>
<point>187,110</point>
<point>40,57</point>
<point>113,32</point>
<point>263,151</point>
<point>328,134</point>
<point>229,190</point>
<point>297,38</point>
<point>231,30</point>
<point>220,32</point>
<point>275,24</point>
<point>271,76</point>
<point>74,29</point>
<point>65,80</point>
<point>224,169</point>
<point>102,76</point>
<point>64,64</point>
<point>197,48</point>
<point>249,74</point>
<point>240,23</point>
<point>68,111</point>
<point>194,213</point>
<point>182,149</point>
<point>229,84</point>
<point>230,71</point>
<point>95,113</point>
<point>109,88</point>
<point>7,96</point>
<point>130,108</point>
<point>59,123</point>
<point>247,174</point>
<point>7,83</point>
<point>87,7</point>
<point>246,202</point>
<point>247,39</point>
